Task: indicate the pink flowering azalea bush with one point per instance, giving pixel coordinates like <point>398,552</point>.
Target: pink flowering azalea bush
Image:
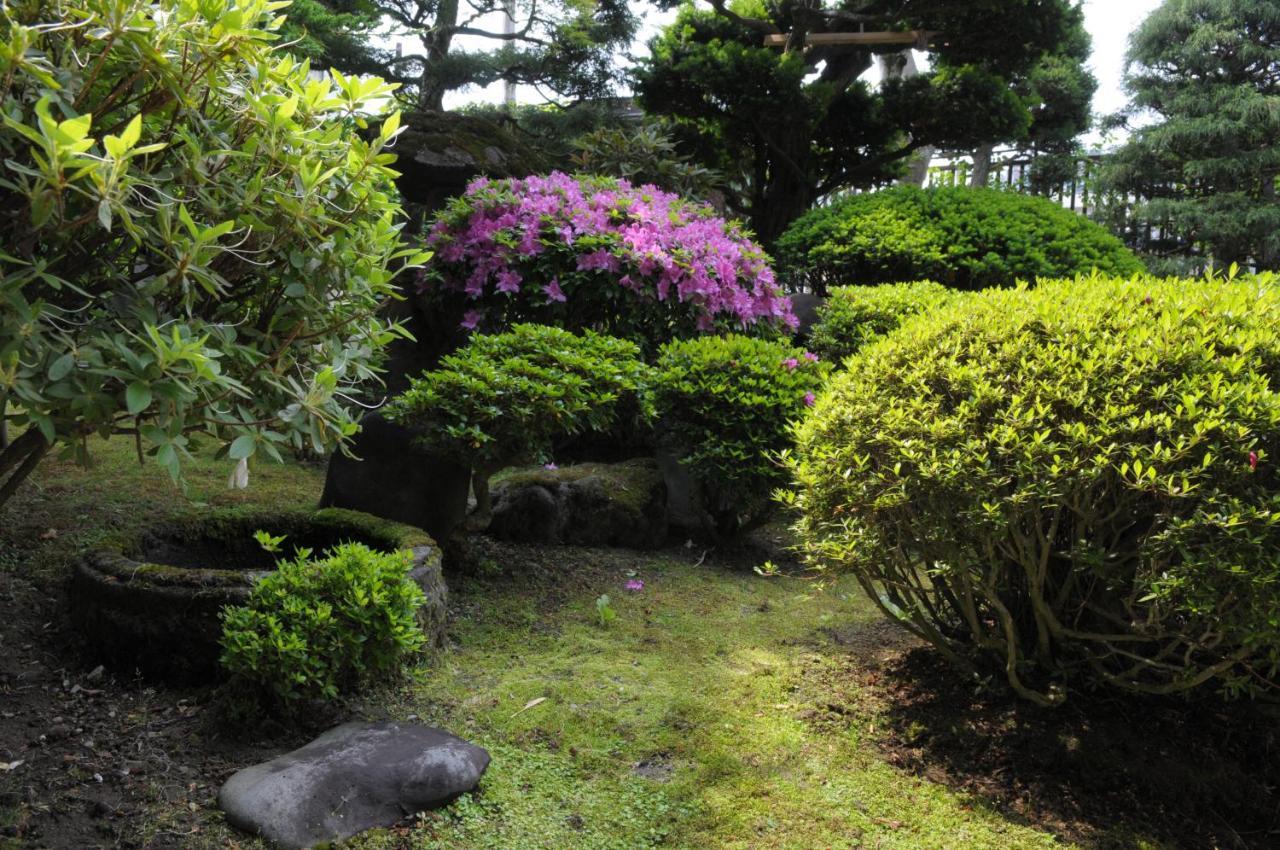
<point>590,252</point>
<point>726,405</point>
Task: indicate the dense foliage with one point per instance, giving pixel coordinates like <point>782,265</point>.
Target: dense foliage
<point>961,237</point>
<point>196,236</point>
<point>596,252</point>
<point>1077,481</point>
<point>318,628</point>
<point>507,398</point>
<point>725,404</point>
<point>791,125</point>
<point>644,154</point>
<point>334,34</point>
<point>852,316</point>
<point>1205,71</point>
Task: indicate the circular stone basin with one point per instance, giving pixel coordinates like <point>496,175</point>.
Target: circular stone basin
<point>150,603</point>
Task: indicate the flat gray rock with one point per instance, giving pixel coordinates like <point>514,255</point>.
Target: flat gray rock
<point>354,777</point>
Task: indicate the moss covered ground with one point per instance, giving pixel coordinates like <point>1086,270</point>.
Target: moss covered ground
<point>719,709</point>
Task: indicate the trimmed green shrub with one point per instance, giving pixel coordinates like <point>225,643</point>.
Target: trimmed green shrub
<point>1077,481</point>
<point>505,399</point>
<point>854,315</point>
<point>726,404</point>
<point>962,237</point>
<point>318,628</point>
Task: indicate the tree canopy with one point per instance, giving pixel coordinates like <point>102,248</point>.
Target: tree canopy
<point>566,48</point>
<point>1206,72</point>
<point>333,34</point>
<point>794,124</point>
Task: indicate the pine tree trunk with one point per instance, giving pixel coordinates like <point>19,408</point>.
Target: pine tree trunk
<point>981,165</point>
<point>437,41</point>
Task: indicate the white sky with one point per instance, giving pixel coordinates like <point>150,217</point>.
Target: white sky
<point>1109,23</point>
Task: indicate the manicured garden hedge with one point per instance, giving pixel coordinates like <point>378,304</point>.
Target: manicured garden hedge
<point>1076,481</point>
<point>852,316</point>
<point>961,237</point>
<point>727,403</point>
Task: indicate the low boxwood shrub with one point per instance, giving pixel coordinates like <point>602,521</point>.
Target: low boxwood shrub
<point>1076,481</point>
<point>319,628</point>
<point>965,238</point>
<point>726,404</point>
<point>596,252</point>
<point>852,316</point>
<point>505,399</point>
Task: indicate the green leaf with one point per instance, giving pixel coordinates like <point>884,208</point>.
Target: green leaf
<point>137,397</point>
<point>242,447</point>
<point>62,367</point>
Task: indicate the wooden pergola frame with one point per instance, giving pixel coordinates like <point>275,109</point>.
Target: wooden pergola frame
<point>918,39</point>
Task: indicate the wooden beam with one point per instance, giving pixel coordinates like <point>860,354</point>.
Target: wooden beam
<point>837,39</point>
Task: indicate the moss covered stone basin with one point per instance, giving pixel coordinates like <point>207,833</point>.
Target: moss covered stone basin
<point>150,602</point>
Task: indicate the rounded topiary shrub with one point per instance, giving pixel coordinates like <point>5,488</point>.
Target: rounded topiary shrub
<point>505,399</point>
<point>725,404</point>
<point>962,237</point>
<point>588,252</point>
<point>322,625</point>
<point>852,316</point>
<point>1076,481</point>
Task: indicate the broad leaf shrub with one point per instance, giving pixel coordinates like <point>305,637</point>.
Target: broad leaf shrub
<point>322,627</point>
<point>195,235</point>
<point>507,398</point>
<point>852,316</point>
<point>1077,482</point>
<point>964,238</point>
<point>597,253</point>
<point>726,404</point>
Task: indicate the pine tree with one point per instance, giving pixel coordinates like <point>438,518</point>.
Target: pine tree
<point>792,125</point>
<point>1208,73</point>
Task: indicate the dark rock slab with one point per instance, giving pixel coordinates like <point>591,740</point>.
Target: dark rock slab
<point>590,504</point>
<point>354,777</point>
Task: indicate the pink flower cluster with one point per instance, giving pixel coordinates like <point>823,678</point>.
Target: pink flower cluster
<point>558,237</point>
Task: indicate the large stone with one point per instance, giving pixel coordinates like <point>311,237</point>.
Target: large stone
<point>390,477</point>
<point>354,777</point>
<point>589,504</point>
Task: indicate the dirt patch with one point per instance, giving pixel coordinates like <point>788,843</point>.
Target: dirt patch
<point>90,755</point>
<point>1197,776</point>
<point>657,767</point>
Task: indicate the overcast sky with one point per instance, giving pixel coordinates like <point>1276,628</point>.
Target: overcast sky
<point>1108,21</point>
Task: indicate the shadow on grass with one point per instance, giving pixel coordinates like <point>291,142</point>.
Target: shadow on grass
<point>1194,776</point>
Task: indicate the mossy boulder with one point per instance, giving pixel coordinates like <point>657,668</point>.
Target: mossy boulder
<point>149,602</point>
<point>589,504</point>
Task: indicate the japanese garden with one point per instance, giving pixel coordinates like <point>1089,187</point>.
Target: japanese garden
<point>600,425</point>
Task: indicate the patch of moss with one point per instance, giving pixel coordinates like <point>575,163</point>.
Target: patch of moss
<point>219,549</point>
<point>630,483</point>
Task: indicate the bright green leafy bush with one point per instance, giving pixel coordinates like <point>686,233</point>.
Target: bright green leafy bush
<point>852,316</point>
<point>962,237</point>
<point>1077,481</point>
<point>726,404</point>
<point>507,398</point>
<point>318,628</point>
<point>196,235</point>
